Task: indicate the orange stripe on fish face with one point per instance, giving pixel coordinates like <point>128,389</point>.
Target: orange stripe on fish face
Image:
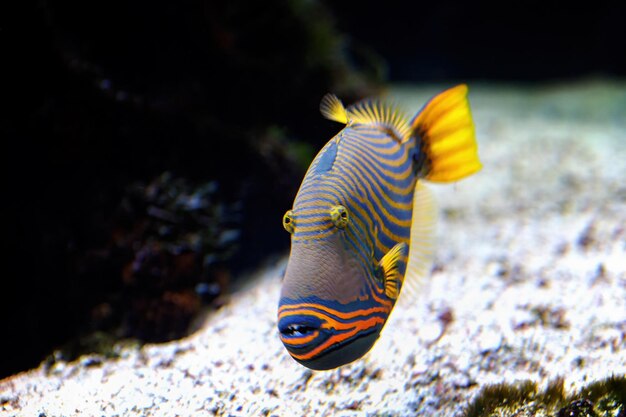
<point>324,334</point>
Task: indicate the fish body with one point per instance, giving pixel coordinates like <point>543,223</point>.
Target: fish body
<point>362,221</point>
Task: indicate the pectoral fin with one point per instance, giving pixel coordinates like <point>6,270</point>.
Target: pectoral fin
<point>393,264</point>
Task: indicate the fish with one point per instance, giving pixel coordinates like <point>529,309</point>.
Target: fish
<point>362,222</point>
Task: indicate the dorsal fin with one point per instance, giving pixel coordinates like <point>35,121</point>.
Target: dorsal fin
<point>376,112</point>
<point>368,111</point>
<point>332,108</point>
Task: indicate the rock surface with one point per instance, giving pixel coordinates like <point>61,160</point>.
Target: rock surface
<point>528,282</point>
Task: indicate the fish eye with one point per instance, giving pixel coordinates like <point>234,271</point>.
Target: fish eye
<point>288,221</point>
<point>339,216</point>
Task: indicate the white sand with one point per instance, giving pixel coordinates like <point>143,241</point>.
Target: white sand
<point>530,264</point>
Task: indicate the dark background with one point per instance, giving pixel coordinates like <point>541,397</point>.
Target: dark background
<point>506,41</point>
<point>150,148</point>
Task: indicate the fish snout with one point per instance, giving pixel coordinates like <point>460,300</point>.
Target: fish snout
<point>321,343</point>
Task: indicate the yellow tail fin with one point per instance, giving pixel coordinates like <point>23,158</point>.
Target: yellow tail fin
<point>446,130</point>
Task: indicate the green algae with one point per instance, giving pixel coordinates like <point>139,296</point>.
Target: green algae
<point>603,398</point>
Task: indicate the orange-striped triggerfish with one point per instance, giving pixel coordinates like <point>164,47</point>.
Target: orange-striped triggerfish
<point>362,220</point>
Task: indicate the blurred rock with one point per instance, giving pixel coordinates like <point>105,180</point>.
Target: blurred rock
<point>221,96</point>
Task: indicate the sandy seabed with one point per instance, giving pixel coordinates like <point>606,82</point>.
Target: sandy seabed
<point>528,282</point>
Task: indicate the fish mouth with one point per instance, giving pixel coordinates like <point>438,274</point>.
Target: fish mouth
<point>296,331</point>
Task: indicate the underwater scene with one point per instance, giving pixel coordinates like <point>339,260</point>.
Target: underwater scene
<point>311,208</point>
